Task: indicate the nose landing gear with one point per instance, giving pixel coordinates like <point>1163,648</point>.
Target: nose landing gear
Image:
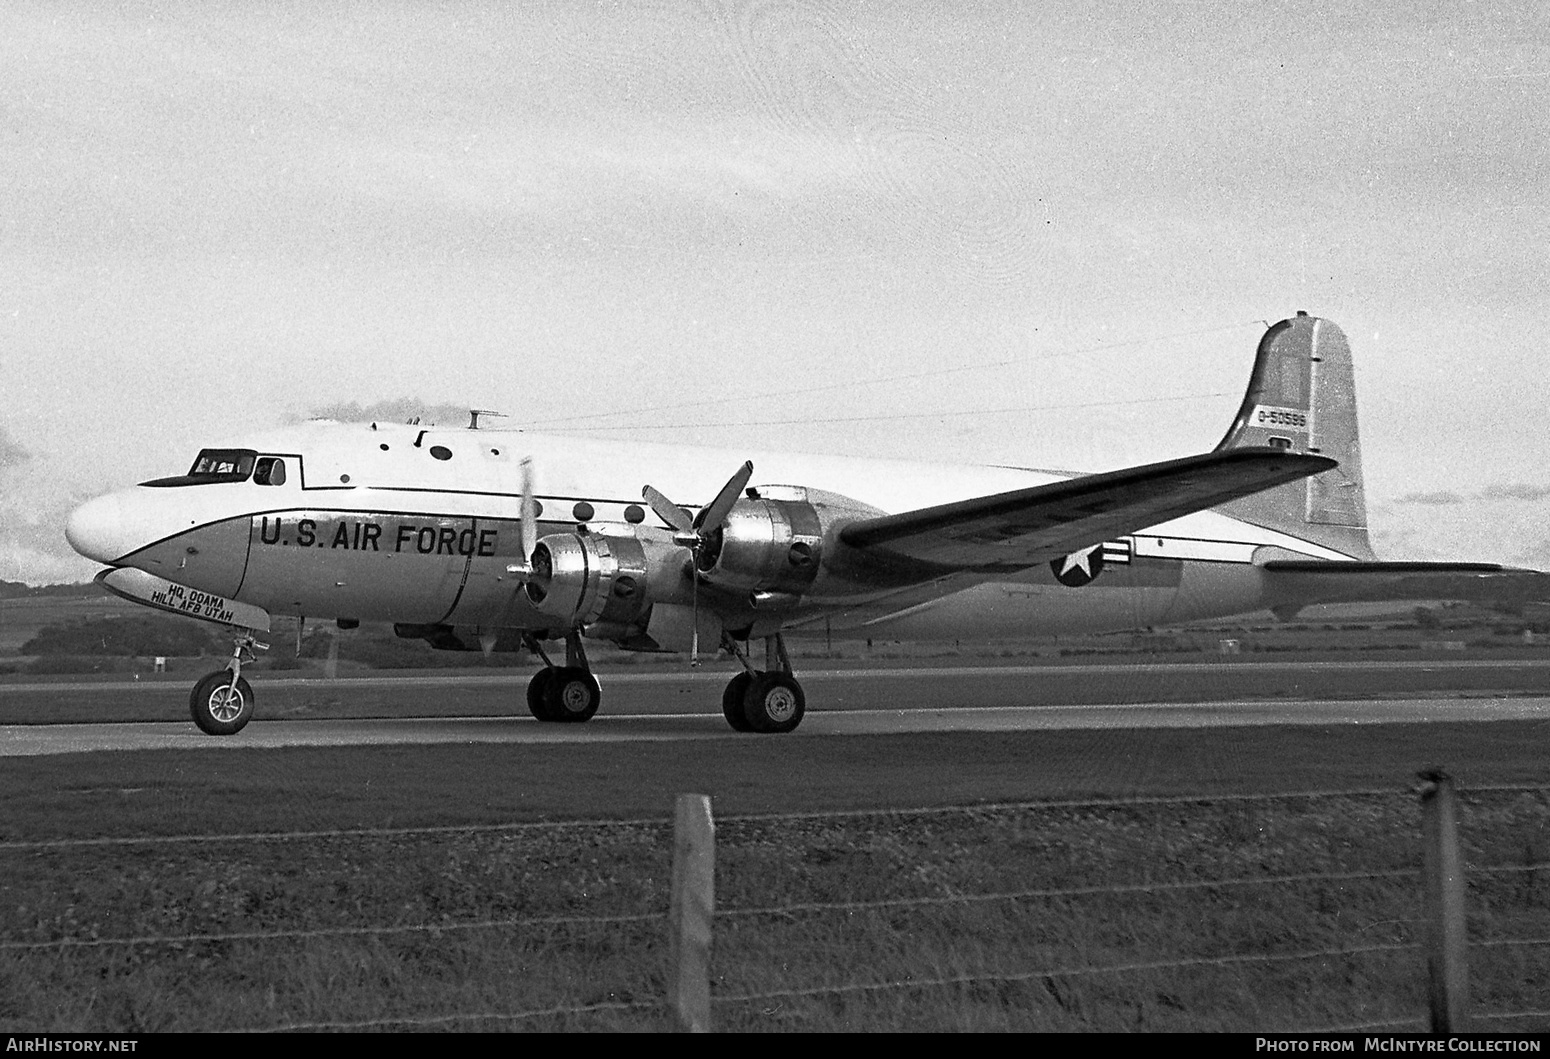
<point>222,702</point>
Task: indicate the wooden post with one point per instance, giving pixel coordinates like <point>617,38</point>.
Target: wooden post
<point>693,905</point>
<point>1445,953</point>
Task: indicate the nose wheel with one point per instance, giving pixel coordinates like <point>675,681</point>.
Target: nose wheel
<point>221,705</point>
<point>222,702</point>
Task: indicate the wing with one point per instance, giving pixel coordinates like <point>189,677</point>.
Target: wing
<point>1013,531</point>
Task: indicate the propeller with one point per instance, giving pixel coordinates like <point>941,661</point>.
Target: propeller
<point>527,524</point>
<point>697,534</point>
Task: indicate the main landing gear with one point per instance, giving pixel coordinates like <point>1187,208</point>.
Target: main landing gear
<point>568,693</point>
<point>769,700</point>
<point>222,702</point>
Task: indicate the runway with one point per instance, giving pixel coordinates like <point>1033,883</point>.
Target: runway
<point>923,670</point>
<point>38,740</point>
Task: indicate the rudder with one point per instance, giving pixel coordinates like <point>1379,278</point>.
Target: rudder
<point>1302,397</point>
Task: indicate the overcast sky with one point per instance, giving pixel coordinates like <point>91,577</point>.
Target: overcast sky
<point>994,232</point>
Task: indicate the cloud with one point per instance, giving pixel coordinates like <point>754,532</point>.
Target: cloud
<point>1433,499</point>
<point>1495,491</point>
<point>394,410</point>
<point>34,504</point>
<point>1514,491</point>
<point>11,454</point>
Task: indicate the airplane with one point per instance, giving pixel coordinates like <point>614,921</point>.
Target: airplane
<point>497,540</point>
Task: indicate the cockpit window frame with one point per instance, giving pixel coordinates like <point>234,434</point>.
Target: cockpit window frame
<point>241,460</point>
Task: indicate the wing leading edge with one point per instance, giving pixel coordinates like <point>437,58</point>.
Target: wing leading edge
<point>1016,530</point>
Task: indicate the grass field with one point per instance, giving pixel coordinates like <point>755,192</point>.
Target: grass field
<point>863,882</point>
<point>503,911</point>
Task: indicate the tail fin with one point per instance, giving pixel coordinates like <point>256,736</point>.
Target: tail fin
<point>1302,397</point>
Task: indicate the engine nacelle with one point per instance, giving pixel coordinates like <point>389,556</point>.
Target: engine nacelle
<point>605,576</point>
<point>765,545</point>
<point>772,545</point>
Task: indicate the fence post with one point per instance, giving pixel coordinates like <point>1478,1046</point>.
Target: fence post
<point>1445,955</point>
<point>694,902</point>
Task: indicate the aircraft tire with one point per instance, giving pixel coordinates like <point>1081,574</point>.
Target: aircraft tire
<point>538,693</point>
<point>573,695</point>
<point>211,711</point>
<point>732,702</point>
<point>774,703</point>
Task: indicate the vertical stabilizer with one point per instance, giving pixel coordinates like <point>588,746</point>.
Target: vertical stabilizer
<point>1302,397</point>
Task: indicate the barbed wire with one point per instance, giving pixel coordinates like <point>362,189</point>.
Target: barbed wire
<point>1490,943</point>
<point>1065,891</point>
<point>443,1020</point>
<point>330,932</point>
<point>1511,1014</point>
<point>1418,1024</point>
<point>323,833</point>
<point>1067,972</point>
<point>773,910</point>
<point>22,846</point>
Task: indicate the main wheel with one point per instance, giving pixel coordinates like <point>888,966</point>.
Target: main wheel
<point>732,702</point>
<point>538,693</point>
<point>774,703</point>
<point>573,695</point>
<point>219,708</point>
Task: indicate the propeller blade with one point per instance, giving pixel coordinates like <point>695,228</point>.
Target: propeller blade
<point>668,511</point>
<point>529,524</point>
<point>715,513</point>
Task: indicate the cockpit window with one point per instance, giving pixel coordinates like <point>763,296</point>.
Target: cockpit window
<point>228,465</point>
<point>270,470</point>
<point>214,465</point>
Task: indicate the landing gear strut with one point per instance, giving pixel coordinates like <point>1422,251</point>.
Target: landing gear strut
<point>222,702</point>
<point>568,693</point>
<point>768,700</point>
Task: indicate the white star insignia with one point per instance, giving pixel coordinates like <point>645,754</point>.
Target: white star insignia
<point>1079,561</point>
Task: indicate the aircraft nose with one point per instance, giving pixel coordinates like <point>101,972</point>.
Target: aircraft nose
<point>96,528</point>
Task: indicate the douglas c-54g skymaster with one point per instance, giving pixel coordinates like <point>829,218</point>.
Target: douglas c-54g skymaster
<point>483,539</point>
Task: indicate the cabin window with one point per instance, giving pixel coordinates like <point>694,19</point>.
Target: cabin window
<point>441,452</point>
<point>270,470</point>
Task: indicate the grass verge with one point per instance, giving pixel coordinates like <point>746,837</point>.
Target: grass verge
<point>542,890</point>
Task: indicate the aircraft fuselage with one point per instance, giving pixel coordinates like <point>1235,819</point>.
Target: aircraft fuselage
<point>421,526</point>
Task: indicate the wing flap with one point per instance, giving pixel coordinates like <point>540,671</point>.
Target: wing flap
<point>1015,530</point>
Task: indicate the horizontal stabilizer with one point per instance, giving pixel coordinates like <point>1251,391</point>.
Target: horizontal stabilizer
<point>1016,530</point>
<point>1298,583</point>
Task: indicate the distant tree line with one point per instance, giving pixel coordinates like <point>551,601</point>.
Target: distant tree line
<point>18,590</point>
<point>136,636</point>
